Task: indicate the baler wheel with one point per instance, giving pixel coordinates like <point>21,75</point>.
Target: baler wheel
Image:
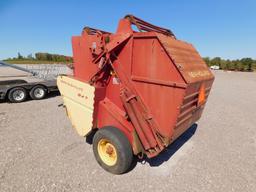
<point>112,150</point>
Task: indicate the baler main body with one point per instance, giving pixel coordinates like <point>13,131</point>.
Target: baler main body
<point>146,83</point>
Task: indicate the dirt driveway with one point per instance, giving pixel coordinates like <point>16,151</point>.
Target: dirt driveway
<point>39,151</point>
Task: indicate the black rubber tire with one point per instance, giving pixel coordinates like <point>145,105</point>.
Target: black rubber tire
<point>122,145</point>
<point>33,95</point>
<point>12,98</point>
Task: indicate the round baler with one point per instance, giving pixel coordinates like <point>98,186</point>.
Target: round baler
<point>137,91</point>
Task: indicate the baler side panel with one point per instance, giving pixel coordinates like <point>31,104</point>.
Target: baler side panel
<point>158,78</point>
<point>83,66</point>
<point>164,107</point>
<point>150,61</point>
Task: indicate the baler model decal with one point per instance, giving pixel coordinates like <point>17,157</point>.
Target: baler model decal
<point>71,85</point>
<point>195,74</point>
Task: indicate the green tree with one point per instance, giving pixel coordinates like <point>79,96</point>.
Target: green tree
<point>216,61</point>
<point>247,64</point>
<point>229,65</point>
<point>30,56</point>
<point>207,61</point>
<point>20,56</point>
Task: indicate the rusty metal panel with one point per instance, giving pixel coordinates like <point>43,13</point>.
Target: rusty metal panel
<point>186,59</point>
<point>159,83</point>
<point>150,62</point>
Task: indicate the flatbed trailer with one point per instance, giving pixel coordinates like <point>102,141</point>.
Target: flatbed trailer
<point>17,84</point>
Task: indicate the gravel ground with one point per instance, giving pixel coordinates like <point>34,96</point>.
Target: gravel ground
<point>39,151</point>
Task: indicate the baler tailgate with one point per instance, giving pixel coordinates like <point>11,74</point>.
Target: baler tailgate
<point>187,59</point>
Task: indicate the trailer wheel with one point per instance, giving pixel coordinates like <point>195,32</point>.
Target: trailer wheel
<point>17,95</point>
<point>112,150</point>
<point>38,92</point>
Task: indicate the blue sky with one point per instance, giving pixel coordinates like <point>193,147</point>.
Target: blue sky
<point>225,28</point>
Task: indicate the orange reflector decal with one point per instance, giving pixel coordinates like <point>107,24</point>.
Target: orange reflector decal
<point>201,95</point>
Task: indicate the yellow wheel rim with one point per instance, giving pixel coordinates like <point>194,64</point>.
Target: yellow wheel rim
<point>107,152</point>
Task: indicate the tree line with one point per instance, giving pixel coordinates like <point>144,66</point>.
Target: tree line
<point>53,57</point>
<point>43,57</point>
<point>244,64</point>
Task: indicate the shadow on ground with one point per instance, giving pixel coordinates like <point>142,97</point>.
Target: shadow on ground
<point>164,155</point>
<point>172,149</point>
<point>49,95</point>
<point>52,94</point>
